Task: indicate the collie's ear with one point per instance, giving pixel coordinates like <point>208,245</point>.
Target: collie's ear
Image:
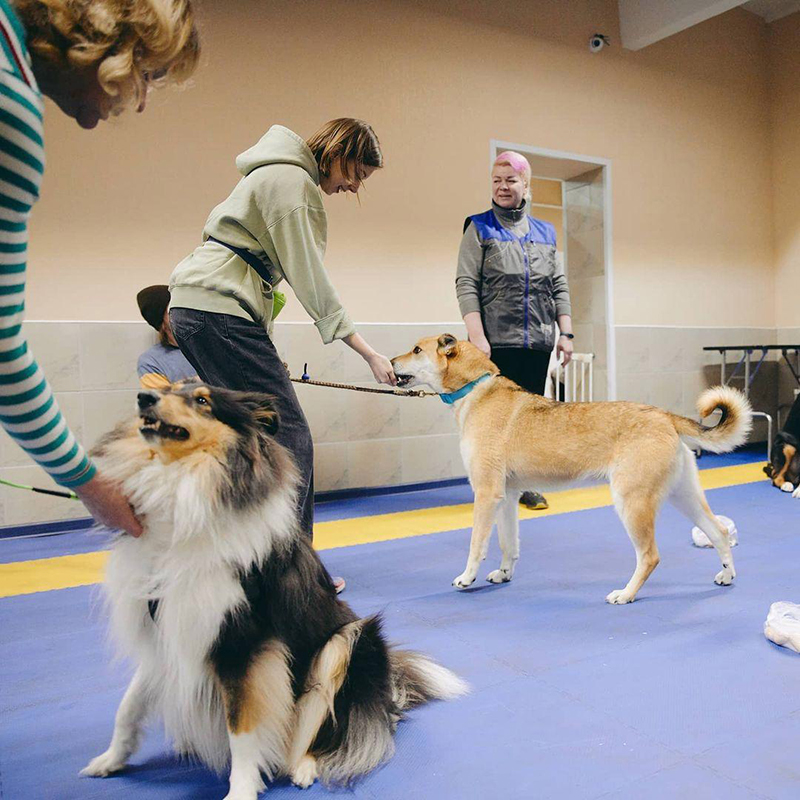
<point>447,344</point>
<point>266,415</point>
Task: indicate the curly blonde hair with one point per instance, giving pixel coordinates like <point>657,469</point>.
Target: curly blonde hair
<point>133,43</point>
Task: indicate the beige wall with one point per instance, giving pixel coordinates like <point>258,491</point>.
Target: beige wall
<point>685,123</point>
<point>785,103</point>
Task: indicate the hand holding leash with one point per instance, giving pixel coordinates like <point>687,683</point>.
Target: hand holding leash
<point>382,369</point>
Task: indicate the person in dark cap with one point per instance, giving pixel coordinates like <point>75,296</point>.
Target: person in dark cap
<point>163,363</point>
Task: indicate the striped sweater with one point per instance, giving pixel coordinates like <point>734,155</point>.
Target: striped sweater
<point>28,410</point>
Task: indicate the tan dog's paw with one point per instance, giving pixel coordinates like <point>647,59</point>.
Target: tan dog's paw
<point>305,773</point>
<point>499,576</point>
<point>463,581</point>
<point>619,597</point>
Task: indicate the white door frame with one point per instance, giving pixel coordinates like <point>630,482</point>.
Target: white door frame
<point>591,162</point>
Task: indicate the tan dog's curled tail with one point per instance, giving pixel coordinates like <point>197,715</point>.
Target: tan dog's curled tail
<point>732,429</point>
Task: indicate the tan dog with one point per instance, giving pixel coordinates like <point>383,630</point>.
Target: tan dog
<point>512,440</point>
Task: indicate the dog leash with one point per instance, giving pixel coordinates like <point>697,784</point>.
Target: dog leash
<point>67,494</point>
<point>306,378</point>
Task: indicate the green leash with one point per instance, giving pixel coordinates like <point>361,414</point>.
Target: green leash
<point>69,495</point>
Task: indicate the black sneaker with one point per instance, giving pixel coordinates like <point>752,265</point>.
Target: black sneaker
<point>534,501</point>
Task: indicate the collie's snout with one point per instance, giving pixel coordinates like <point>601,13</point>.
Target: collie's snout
<point>154,426</point>
<point>146,400</point>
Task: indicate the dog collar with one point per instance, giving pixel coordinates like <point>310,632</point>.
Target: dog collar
<point>451,398</point>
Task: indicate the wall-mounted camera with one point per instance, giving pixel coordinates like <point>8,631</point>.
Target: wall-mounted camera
<point>598,42</point>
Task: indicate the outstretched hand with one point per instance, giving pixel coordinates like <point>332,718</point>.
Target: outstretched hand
<point>109,507</point>
<point>382,369</point>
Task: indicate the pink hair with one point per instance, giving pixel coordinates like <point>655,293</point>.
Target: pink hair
<point>516,161</point>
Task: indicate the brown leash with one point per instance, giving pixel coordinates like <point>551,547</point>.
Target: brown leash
<point>397,392</point>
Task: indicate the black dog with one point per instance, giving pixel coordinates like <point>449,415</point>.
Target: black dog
<point>784,469</point>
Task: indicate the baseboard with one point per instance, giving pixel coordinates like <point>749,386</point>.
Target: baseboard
<point>43,528</point>
<point>346,494</point>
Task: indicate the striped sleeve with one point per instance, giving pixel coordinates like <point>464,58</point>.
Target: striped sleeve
<point>28,410</point>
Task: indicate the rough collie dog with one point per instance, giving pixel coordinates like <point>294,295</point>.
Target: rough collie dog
<point>512,440</point>
<point>242,646</point>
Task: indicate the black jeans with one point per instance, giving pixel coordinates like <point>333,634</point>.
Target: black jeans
<point>528,368</point>
<point>238,354</point>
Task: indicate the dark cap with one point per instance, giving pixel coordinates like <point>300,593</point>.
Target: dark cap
<point>153,302</point>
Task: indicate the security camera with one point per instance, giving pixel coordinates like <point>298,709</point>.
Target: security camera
<point>598,42</point>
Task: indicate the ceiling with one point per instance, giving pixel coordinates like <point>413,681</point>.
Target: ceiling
<point>771,10</point>
<point>644,22</point>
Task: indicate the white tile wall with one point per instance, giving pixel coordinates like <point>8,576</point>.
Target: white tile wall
<point>375,463</point>
<point>108,353</point>
<point>431,458</point>
<point>92,369</point>
<point>56,348</point>
<point>361,440</point>
<point>668,367</point>
<point>330,466</point>
<point>104,410</point>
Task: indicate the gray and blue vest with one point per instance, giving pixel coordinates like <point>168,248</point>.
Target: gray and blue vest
<point>515,278</point>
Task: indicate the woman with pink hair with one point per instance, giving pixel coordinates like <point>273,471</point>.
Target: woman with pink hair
<point>511,287</point>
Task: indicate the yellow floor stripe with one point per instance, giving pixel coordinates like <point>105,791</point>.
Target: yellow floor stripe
<point>403,524</point>
<point>46,574</point>
<point>63,572</point>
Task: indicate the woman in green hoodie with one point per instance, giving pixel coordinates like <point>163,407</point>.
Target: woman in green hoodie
<point>273,227</point>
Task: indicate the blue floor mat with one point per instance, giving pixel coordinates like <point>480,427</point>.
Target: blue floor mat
<point>677,695</point>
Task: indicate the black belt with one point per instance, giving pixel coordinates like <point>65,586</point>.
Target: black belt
<point>252,260</point>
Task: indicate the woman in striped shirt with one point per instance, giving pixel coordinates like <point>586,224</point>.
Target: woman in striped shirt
<point>93,58</point>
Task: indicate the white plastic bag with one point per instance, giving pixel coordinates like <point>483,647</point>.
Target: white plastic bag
<point>701,540</point>
<point>783,625</point>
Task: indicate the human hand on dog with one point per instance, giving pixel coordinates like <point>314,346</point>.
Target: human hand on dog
<point>108,506</point>
<point>380,365</point>
<point>382,369</point>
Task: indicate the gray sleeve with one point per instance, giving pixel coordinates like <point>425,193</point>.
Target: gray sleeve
<point>145,365</point>
<point>560,287</point>
<point>468,275</point>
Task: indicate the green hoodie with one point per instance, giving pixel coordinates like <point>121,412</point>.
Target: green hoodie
<point>275,212</point>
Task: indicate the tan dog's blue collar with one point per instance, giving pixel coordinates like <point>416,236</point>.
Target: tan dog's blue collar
<point>451,398</point>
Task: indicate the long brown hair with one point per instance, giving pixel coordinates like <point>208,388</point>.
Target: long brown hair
<point>351,141</point>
